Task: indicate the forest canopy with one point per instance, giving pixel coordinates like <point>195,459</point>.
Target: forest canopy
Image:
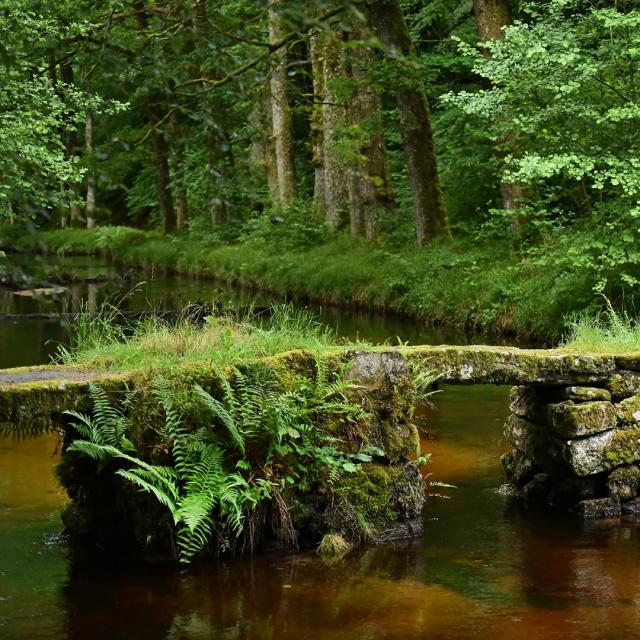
<point>397,121</point>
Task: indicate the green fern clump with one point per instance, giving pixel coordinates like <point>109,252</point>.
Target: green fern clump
<point>227,456</point>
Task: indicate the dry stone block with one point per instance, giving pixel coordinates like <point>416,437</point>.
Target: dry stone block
<point>623,384</point>
<point>518,468</point>
<point>537,443</point>
<point>624,483</point>
<point>574,420</point>
<point>628,361</point>
<point>628,410</point>
<point>603,451</point>
<point>584,394</point>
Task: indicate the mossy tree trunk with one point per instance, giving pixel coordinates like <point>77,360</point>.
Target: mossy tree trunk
<point>415,119</point>
<point>491,18</point>
<point>370,187</point>
<point>336,192</point>
<point>71,145</point>
<point>90,206</point>
<point>316,55</point>
<point>281,110</point>
<point>163,179</point>
<point>179,179</point>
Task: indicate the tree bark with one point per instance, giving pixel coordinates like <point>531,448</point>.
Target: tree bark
<point>370,189</point>
<point>336,175</point>
<point>316,55</point>
<point>71,143</point>
<point>491,18</point>
<point>90,206</point>
<point>281,111</point>
<point>179,181</point>
<point>415,119</point>
<point>163,179</point>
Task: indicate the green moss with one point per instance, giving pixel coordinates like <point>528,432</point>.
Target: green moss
<point>624,482</point>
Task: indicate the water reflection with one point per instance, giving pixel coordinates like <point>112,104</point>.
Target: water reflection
<point>35,341</point>
<point>485,568</point>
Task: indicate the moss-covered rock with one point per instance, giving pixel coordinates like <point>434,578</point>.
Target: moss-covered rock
<point>623,383</point>
<point>537,442</point>
<point>603,451</point>
<point>574,420</point>
<point>628,410</point>
<point>624,483</point>
<point>508,365</point>
<point>583,394</point>
<point>518,468</point>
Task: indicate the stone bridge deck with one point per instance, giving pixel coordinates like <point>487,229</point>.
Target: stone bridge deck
<point>30,392</point>
<point>574,427</point>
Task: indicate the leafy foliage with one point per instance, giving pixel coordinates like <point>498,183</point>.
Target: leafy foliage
<point>211,478</point>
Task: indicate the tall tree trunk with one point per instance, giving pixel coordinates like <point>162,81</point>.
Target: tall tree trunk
<point>371,190</point>
<point>179,181</point>
<point>336,191</point>
<point>90,206</point>
<point>263,149</point>
<point>156,116</point>
<point>71,143</point>
<point>316,55</point>
<point>415,119</point>
<point>163,179</point>
<point>491,18</point>
<point>281,111</point>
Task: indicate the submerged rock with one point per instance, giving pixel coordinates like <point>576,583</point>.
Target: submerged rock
<point>598,509</point>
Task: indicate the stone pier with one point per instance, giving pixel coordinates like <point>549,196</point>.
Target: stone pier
<point>577,447</point>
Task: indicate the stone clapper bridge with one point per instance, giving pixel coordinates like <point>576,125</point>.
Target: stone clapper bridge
<point>574,424</point>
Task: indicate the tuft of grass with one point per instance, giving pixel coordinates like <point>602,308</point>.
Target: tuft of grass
<point>333,545</point>
<point>607,331</point>
<point>101,342</point>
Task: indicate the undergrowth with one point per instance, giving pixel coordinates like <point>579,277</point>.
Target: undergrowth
<point>221,461</point>
<point>472,281</point>
<point>608,331</point>
<point>101,341</point>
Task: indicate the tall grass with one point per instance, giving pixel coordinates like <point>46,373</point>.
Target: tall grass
<point>102,342</point>
<point>608,331</point>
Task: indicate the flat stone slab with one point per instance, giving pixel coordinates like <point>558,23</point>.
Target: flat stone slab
<point>41,388</point>
<point>586,418</point>
<point>511,366</point>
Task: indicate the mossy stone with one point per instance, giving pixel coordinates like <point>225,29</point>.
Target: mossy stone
<point>574,420</point>
<point>624,483</point>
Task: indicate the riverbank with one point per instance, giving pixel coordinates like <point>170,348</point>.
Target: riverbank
<point>461,284</point>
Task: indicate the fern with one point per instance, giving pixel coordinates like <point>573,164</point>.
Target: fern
<point>197,487</point>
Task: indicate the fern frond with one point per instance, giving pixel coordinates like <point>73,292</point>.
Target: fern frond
<point>133,476</point>
<point>219,411</point>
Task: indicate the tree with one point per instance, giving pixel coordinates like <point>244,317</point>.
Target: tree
<point>280,109</point>
<point>370,189</point>
<point>415,120</point>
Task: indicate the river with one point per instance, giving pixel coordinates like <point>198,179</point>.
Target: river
<point>485,567</point>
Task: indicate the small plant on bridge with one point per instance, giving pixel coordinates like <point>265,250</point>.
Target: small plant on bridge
<point>214,481</point>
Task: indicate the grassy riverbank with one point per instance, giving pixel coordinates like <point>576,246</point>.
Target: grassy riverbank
<point>462,283</point>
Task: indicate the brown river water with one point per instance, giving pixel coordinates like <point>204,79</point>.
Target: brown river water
<point>486,567</point>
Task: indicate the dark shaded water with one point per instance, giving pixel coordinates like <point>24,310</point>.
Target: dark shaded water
<point>484,568</point>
